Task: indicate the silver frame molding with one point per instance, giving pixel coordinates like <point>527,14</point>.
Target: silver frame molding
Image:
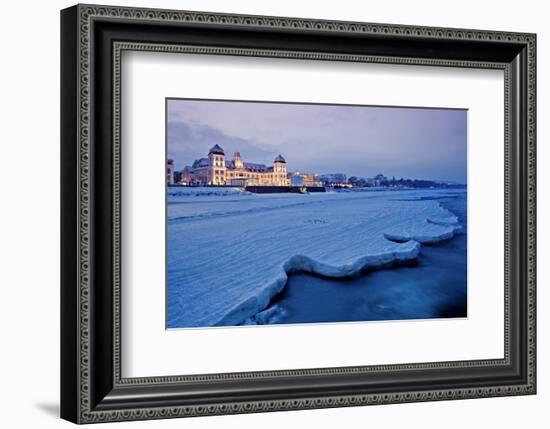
<point>93,39</point>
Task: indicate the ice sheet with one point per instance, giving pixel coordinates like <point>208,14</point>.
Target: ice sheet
<point>229,252</point>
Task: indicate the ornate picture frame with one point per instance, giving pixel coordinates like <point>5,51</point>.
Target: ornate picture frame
<point>92,40</point>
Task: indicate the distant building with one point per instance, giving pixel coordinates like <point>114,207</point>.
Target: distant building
<point>170,172</point>
<point>305,179</point>
<point>334,179</point>
<point>216,170</point>
<point>379,180</point>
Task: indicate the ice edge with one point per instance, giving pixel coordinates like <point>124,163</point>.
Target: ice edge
<point>409,251</point>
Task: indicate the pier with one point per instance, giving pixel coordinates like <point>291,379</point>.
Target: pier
<point>284,189</point>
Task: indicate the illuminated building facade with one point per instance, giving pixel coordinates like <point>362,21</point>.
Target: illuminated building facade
<point>216,170</point>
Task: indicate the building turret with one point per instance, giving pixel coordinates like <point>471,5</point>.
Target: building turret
<point>216,150</point>
<point>217,169</point>
<point>237,161</point>
<point>279,171</point>
<point>280,159</point>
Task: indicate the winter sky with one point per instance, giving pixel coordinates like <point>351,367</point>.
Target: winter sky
<point>355,140</point>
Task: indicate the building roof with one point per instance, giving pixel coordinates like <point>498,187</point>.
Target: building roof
<point>251,166</point>
<point>255,166</point>
<point>279,158</point>
<point>202,162</point>
<point>217,150</point>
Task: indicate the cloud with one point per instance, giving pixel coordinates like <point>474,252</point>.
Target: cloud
<point>189,141</point>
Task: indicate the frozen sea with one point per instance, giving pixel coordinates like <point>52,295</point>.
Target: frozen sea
<point>434,286</point>
<point>237,258</point>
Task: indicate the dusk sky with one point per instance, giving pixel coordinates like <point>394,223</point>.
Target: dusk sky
<point>355,140</point>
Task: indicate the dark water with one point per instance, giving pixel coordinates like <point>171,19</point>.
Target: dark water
<point>436,287</point>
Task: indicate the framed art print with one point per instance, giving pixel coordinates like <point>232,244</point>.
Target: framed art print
<point>264,213</point>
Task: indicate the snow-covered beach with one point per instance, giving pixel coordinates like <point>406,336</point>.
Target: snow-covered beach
<point>230,252</point>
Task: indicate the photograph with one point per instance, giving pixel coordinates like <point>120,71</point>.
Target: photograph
<point>303,213</point>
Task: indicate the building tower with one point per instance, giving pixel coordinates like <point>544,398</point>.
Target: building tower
<point>237,161</point>
<point>170,172</point>
<point>217,169</point>
<point>279,172</point>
